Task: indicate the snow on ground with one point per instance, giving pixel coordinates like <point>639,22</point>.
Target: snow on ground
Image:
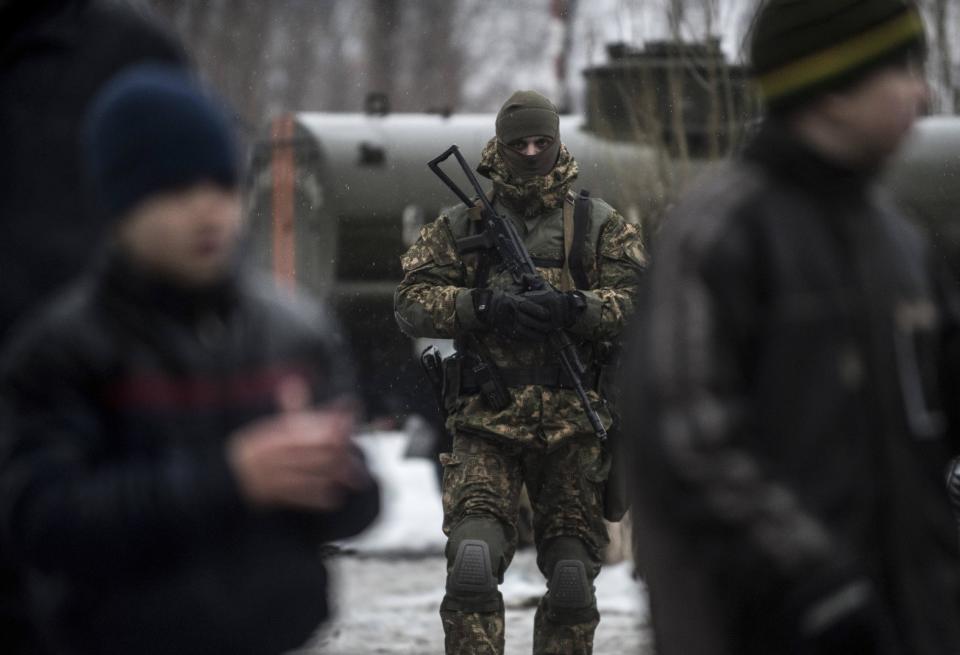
<point>388,584</point>
<point>391,606</point>
<point>411,513</point>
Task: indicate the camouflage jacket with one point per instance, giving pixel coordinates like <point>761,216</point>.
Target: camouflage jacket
<point>434,301</point>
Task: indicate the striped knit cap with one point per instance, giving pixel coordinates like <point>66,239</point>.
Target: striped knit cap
<point>802,48</point>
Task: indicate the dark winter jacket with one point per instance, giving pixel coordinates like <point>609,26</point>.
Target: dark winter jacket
<point>54,57</point>
<point>116,492</point>
<point>796,355</point>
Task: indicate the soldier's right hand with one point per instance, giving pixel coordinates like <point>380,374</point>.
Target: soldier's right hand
<point>511,315</point>
<point>302,458</point>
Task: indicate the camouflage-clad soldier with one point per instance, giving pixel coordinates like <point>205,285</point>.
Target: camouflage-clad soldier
<point>539,435</point>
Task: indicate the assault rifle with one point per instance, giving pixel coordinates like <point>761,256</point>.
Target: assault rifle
<point>499,232</point>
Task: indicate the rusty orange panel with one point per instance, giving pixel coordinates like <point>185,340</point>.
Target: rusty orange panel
<point>284,233</point>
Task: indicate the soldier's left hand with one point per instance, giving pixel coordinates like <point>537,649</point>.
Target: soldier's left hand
<point>564,306</point>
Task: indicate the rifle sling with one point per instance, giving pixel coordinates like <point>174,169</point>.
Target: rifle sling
<point>581,225</point>
<point>566,280</point>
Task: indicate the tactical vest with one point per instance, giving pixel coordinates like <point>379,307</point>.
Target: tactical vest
<point>569,244</point>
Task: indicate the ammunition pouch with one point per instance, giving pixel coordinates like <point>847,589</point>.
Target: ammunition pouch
<point>451,381</point>
<point>482,376</point>
<point>432,365</point>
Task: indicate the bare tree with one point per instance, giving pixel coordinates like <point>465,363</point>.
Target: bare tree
<point>434,72</point>
<point>267,57</point>
<point>676,14</point>
<point>227,41</point>
<point>565,11</point>
<point>383,21</point>
<point>944,16</point>
<point>504,48</point>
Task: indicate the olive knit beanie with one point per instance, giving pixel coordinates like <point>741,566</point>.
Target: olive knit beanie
<point>802,48</point>
<point>527,113</point>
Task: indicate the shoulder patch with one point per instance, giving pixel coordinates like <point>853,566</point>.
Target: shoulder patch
<point>621,240</point>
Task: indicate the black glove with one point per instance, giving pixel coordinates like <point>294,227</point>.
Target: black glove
<point>564,307</point>
<point>846,620</point>
<point>511,315</point>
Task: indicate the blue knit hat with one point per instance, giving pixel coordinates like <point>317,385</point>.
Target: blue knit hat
<point>153,129</point>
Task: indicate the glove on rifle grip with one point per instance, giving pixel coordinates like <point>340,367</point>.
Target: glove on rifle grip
<point>564,307</point>
<point>511,315</point>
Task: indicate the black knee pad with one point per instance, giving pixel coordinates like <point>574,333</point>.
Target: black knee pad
<point>569,586</point>
<point>476,548</point>
<point>487,531</point>
<point>472,571</point>
<point>570,593</point>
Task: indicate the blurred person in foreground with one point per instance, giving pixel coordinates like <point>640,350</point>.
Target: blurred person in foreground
<point>540,435</point>
<point>54,57</point>
<point>796,365</point>
<point>181,437</point>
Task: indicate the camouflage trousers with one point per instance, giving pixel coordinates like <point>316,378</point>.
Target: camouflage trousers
<point>482,481</point>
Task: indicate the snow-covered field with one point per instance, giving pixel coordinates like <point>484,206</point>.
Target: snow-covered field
<point>389,583</point>
<point>411,513</point>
